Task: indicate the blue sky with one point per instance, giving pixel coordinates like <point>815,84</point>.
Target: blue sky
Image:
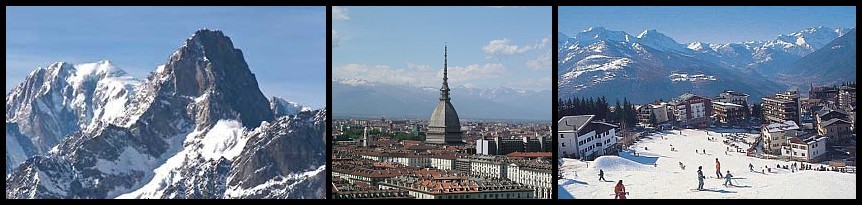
<point>284,46</point>
<point>707,24</point>
<point>488,46</point>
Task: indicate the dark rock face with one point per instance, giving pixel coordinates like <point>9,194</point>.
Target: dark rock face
<point>288,146</point>
<point>206,80</point>
<point>209,63</point>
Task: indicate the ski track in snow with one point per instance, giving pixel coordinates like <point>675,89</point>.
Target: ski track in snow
<point>668,181</point>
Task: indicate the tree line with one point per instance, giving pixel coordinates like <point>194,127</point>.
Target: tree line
<point>621,112</point>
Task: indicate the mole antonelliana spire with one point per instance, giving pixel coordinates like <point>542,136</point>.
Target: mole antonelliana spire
<point>444,127</point>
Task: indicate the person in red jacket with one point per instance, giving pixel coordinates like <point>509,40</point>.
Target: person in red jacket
<point>718,169</point>
<point>620,190</point>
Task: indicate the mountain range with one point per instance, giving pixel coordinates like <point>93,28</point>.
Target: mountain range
<point>359,98</point>
<point>652,66</point>
<point>198,127</point>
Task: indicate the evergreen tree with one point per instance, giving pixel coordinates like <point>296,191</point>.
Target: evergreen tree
<point>602,108</point>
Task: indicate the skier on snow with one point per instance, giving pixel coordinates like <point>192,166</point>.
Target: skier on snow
<point>700,178</point>
<point>717,168</point>
<point>602,175</point>
<point>620,190</point>
<point>727,179</point>
<point>751,167</point>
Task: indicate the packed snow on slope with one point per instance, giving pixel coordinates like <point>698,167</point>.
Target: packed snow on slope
<point>225,139</point>
<point>289,182</point>
<point>667,180</point>
<point>164,174</point>
<point>615,163</point>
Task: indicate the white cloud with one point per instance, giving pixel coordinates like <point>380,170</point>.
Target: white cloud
<point>501,47</point>
<point>504,47</point>
<point>543,62</point>
<point>475,72</point>
<point>419,75</point>
<point>335,39</point>
<point>339,14</point>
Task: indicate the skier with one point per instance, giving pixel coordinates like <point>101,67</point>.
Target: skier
<point>700,178</point>
<point>620,190</point>
<point>717,169</point>
<point>751,167</point>
<point>602,175</point>
<point>727,179</point>
<point>682,166</point>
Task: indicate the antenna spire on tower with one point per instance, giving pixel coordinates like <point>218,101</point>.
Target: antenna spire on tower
<point>445,62</point>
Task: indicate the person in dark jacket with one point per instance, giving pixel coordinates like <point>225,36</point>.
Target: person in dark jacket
<point>602,175</point>
<point>700,177</point>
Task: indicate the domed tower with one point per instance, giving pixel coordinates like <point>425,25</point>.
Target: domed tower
<point>444,126</point>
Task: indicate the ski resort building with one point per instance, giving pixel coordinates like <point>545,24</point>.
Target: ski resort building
<point>847,98</point>
<point>727,112</point>
<point>659,109</point>
<point>775,135</point>
<point>729,96</point>
<point>581,137</point>
<point>691,110</point>
<point>805,147</point>
<point>782,107</point>
<point>834,124</point>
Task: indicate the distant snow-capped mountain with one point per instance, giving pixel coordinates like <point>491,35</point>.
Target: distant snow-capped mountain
<point>598,61</point>
<point>199,127</point>
<point>374,99</point>
<point>57,100</point>
<point>832,64</point>
<point>282,107</point>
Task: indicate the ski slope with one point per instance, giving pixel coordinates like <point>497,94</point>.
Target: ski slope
<point>666,180</point>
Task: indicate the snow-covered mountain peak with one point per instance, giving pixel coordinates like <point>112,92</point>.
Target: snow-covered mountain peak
<point>354,82</point>
<point>810,39</point>
<point>597,34</point>
<point>699,46</point>
<point>654,39</point>
<point>282,107</point>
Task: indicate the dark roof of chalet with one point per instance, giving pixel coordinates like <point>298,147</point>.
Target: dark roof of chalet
<point>823,112</point>
<point>576,122</point>
<point>833,121</point>
<point>802,137</point>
